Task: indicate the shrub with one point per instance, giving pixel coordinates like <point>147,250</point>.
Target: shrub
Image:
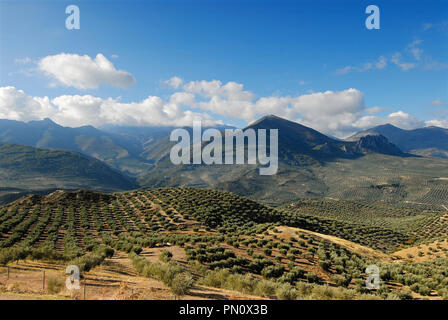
<point>312,277</point>
<point>273,271</point>
<point>54,285</point>
<point>165,256</point>
<point>265,288</point>
<point>181,284</point>
<point>91,260</point>
<point>324,264</point>
<point>286,292</point>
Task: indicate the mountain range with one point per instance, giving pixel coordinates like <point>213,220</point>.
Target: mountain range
<point>383,163</point>
<point>428,141</point>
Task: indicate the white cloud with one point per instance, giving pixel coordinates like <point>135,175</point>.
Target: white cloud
<point>381,63</point>
<point>414,50</point>
<point>327,111</point>
<point>337,113</point>
<point>400,119</point>
<point>76,110</point>
<point>375,110</point>
<point>211,89</point>
<point>404,66</point>
<point>17,105</point>
<point>437,123</point>
<point>174,82</point>
<point>83,72</point>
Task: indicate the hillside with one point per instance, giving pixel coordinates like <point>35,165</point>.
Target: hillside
<point>117,150</point>
<point>24,169</point>
<point>207,231</point>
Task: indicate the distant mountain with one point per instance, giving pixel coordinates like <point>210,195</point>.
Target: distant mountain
<point>304,155</point>
<point>154,141</point>
<point>24,169</point>
<point>119,149</point>
<point>428,141</point>
<point>379,144</point>
<point>311,164</point>
<point>297,141</point>
<point>132,150</point>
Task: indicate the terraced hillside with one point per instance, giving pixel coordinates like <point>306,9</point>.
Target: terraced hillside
<point>376,224</point>
<point>226,241</point>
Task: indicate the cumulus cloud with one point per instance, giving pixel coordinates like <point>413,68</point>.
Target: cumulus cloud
<point>399,119</point>
<point>17,105</point>
<point>375,110</point>
<point>77,110</point>
<point>174,82</point>
<point>83,72</point>
<point>437,123</point>
<point>337,113</point>
<point>321,110</point>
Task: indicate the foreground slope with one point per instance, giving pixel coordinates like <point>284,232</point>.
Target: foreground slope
<point>226,241</point>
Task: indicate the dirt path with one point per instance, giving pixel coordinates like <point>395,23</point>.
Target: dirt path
<point>354,247</point>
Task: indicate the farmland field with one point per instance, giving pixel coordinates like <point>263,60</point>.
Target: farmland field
<point>185,239</point>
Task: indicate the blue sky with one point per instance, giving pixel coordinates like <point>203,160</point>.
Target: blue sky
<point>278,50</point>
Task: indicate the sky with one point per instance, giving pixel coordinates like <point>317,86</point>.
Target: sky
<point>152,63</point>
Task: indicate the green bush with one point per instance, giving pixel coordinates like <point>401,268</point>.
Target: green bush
<point>54,285</point>
<point>165,256</point>
<point>181,284</point>
<point>286,292</point>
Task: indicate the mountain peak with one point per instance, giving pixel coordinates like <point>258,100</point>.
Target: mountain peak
<point>387,125</point>
<point>377,143</point>
<point>269,118</point>
<point>44,122</point>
